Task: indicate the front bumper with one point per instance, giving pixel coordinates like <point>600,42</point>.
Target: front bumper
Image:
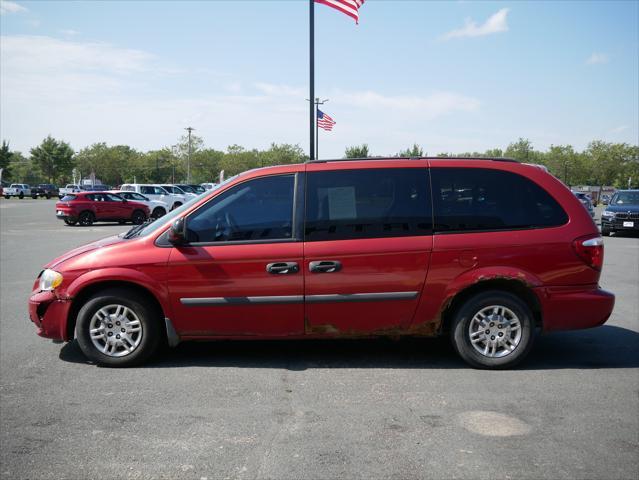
<point>49,313</point>
<point>570,308</point>
<point>620,224</point>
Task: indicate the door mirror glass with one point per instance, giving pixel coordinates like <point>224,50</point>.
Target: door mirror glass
<point>177,235</point>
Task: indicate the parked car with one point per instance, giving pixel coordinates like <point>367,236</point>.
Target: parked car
<point>44,190</point>
<point>340,249</point>
<point>86,208</point>
<point>19,190</point>
<point>209,186</point>
<point>175,190</point>
<point>605,199</point>
<point>194,189</point>
<point>586,202</point>
<point>69,189</point>
<point>155,192</point>
<point>156,207</point>
<point>96,188</point>
<point>622,213</point>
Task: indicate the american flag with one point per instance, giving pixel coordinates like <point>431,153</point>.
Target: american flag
<point>324,121</point>
<point>349,7</point>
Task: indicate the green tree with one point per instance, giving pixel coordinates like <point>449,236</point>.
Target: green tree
<point>24,170</point>
<point>55,159</point>
<point>5,158</point>
<point>357,151</point>
<point>521,150</point>
<point>282,154</point>
<point>415,151</point>
<point>237,159</point>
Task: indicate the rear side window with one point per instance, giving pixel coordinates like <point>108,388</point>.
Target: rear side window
<point>68,198</point>
<point>475,199</point>
<point>349,204</point>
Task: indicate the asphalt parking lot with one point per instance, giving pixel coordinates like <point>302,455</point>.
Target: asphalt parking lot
<point>332,409</point>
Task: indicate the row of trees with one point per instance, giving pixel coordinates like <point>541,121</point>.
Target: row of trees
<point>54,161</point>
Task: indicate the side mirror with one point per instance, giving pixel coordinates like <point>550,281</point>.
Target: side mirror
<point>177,232</point>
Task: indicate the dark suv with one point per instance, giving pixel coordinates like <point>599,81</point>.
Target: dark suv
<point>487,252</point>
<point>44,190</point>
<point>621,213</point>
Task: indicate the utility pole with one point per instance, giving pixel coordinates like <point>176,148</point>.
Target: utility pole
<point>188,160</point>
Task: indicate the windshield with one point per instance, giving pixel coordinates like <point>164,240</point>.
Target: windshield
<point>188,189</point>
<point>156,224</point>
<point>626,198</point>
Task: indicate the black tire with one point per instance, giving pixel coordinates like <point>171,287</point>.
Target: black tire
<point>143,309</point>
<point>7,197</point>
<point>158,212</point>
<point>35,197</point>
<point>138,217</point>
<point>21,196</point>
<point>86,219</point>
<point>70,221</point>
<point>464,315</point>
<point>48,196</point>
<point>605,231</point>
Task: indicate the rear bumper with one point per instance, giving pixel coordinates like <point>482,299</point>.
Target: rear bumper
<point>570,308</point>
<point>49,314</point>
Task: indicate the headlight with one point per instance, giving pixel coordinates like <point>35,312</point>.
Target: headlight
<point>50,280</point>
<point>608,214</point>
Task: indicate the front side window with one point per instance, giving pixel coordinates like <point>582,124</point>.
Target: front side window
<point>348,204</point>
<point>626,198</point>
<point>112,198</point>
<point>256,210</point>
<point>476,199</point>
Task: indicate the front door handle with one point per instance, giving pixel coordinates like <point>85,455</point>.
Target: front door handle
<point>282,268</point>
<point>325,266</point>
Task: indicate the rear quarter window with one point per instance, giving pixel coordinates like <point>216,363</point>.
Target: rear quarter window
<point>68,198</point>
<point>475,199</point>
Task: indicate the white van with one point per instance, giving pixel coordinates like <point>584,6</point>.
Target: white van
<point>155,192</point>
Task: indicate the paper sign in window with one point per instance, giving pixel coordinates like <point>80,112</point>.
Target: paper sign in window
<point>341,203</point>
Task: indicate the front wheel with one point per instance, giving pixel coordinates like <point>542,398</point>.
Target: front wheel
<point>138,217</point>
<point>158,212</point>
<point>493,330</point>
<point>70,221</point>
<point>605,231</point>
<point>7,197</point>
<point>117,328</point>
<point>21,196</point>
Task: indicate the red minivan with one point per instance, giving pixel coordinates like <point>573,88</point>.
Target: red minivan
<point>85,208</point>
<point>489,252</point>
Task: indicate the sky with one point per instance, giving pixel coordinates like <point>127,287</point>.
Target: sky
<point>451,76</point>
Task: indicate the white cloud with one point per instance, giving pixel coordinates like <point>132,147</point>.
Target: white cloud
<point>88,92</point>
<point>496,23</point>
<point>619,129</point>
<point>597,58</point>
<point>10,7</point>
<point>69,32</point>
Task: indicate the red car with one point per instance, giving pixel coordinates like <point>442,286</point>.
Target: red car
<point>489,252</point>
<point>88,207</point>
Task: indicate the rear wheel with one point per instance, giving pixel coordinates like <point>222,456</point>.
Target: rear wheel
<point>21,196</point>
<point>117,328</point>
<point>138,217</point>
<point>34,197</point>
<point>7,197</point>
<point>158,212</point>
<point>86,219</point>
<point>493,329</point>
<point>70,221</point>
<point>48,196</point>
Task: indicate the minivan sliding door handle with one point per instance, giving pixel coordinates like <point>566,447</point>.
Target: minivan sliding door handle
<point>282,268</point>
<point>325,266</point>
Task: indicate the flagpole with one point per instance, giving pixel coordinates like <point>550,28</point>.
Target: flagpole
<point>316,130</point>
<point>311,98</point>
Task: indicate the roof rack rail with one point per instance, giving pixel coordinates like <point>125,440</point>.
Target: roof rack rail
<point>494,159</point>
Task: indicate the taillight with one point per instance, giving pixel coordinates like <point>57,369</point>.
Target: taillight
<point>590,250</point>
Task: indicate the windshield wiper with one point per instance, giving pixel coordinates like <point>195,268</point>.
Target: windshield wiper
<point>138,228</point>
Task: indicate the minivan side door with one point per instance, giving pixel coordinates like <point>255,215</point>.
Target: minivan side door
<point>368,240</point>
<point>240,273</point>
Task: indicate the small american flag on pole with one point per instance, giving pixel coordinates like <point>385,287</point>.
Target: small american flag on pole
<point>349,7</point>
<point>324,121</point>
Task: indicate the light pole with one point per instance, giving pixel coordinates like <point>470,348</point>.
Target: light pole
<point>188,161</point>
